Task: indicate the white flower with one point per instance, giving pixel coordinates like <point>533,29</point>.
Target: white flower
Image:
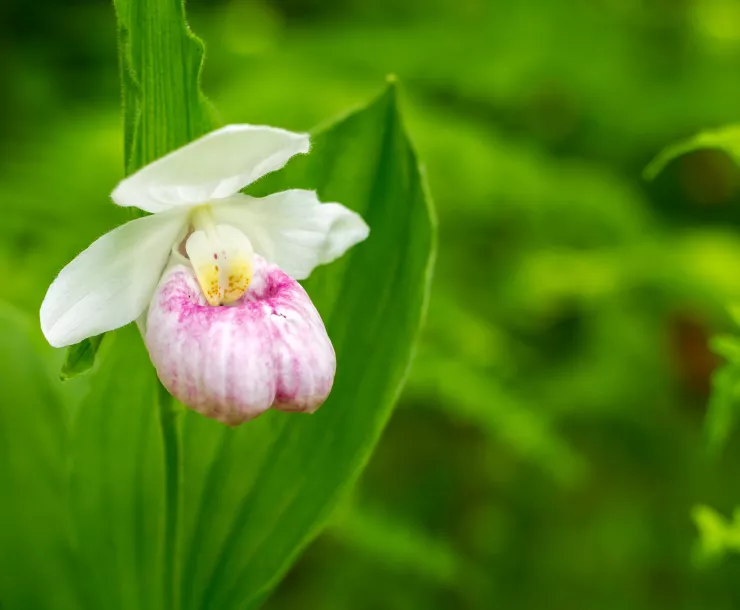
<point>229,329</point>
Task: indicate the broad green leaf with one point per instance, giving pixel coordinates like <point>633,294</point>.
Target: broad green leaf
<point>37,569</point>
<point>254,496</point>
<point>163,108</point>
<point>726,139</point>
<point>116,485</point>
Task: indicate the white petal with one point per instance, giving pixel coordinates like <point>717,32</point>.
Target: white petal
<point>212,167</point>
<point>293,229</point>
<point>111,283</point>
<point>231,363</point>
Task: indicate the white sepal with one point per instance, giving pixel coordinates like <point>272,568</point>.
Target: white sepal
<point>111,283</point>
<point>293,229</point>
<point>214,166</point>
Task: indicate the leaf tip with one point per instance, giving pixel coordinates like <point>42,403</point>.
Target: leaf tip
<point>390,92</point>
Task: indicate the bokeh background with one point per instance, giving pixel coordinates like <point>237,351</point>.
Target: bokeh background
<point>547,451</point>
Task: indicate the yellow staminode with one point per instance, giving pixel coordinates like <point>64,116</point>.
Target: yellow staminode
<point>221,257</point>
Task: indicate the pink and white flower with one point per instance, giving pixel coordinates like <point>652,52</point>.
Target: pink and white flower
<point>211,276</point>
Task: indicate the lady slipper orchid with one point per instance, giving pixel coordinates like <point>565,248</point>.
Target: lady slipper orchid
<point>211,276</point>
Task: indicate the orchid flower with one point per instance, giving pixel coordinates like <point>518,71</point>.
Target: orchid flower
<point>211,277</point>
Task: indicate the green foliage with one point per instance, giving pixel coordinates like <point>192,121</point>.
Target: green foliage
<point>724,403</point>
<point>80,358</point>
<point>35,533</point>
<point>718,536</point>
<point>403,546</point>
<point>572,302</point>
<point>141,500</point>
<point>726,139</point>
<point>501,415</point>
<point>275,481</point>
<point>160,61</point>
<point>116,480</point>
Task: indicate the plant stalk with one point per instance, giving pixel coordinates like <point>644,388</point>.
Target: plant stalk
<point>169,420</point>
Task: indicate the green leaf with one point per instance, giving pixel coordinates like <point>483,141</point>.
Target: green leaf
<point>255,496</point>
<point>727,346</point>
<point>163,108</point>
<point>468,394</point>
<point>717,535</point>
<point>726,139</point>
<point>117,475</point>
<point>252,497</point>
<point>37,569</point>
<point>80,357</point>
<point>160,61</point>
<point>724,407</point>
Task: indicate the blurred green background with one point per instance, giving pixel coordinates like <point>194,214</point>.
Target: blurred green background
<point>547,450</point>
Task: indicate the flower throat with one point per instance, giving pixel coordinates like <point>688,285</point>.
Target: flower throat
<point>221,257</point>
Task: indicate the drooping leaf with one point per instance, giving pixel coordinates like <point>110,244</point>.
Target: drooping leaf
<point>255,496</point>
<point>116,485</point>
<point>726,139</point>
<point>37,569</point>
<point>163,108</point>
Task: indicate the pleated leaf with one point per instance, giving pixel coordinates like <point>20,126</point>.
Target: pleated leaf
<point>256,495</point>
<point>117,480</point>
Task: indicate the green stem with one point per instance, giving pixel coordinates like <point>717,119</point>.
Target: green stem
<point>169,420</point>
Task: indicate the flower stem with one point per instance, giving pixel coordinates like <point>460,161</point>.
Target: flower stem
<point>169,421</point>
